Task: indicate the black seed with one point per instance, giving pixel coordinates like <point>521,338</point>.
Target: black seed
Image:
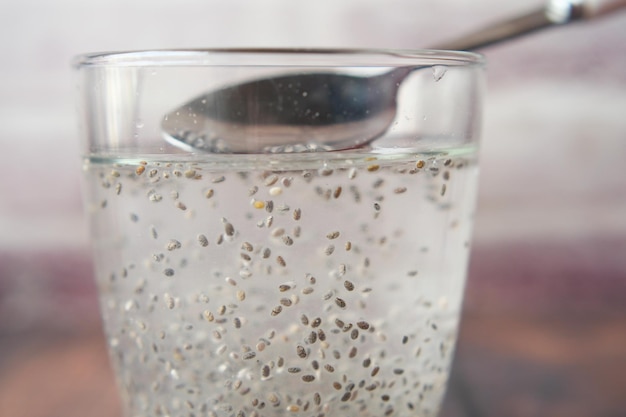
<point>301,351</point>
<point>321,335</point>
<point>308,378</point>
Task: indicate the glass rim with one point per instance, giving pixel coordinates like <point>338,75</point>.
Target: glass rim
<point>278,57</point>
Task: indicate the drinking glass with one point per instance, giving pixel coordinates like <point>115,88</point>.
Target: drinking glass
<point>279,282</point>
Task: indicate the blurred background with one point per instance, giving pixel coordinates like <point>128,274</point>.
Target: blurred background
<point>544,331</point>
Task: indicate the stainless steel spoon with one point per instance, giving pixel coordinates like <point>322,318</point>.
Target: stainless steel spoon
<point>328,111</point>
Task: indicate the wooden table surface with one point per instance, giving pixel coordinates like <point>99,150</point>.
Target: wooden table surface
<point>543,335</point>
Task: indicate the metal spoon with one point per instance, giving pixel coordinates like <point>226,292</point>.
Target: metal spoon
<point>328,111</point>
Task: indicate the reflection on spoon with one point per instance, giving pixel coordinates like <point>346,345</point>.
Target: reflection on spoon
<point>291,113</point>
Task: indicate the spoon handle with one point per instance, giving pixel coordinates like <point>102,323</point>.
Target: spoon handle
<point>555,12</point>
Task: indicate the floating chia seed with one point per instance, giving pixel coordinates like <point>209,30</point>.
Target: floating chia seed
<point>332,235</point>
<point>353,352</point>
<point>301,351</point>
<point>168,272</point>
<point>348,285</point>
<point>203,241</point>
<point>363,325</point>
<point>276,310</point>
<point>293,370</point>
<point>340,302</point>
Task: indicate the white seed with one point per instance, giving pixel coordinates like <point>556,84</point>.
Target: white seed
<point>271,180</point>
<point>208,316</point>
<point>333,235</point>
<point>275,191</point>
<point>241,295</point>
<point>278,232</point>
<point>173,245</point>
<point>169,301</point>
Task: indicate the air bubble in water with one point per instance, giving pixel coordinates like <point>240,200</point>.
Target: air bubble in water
<point>438,72</point>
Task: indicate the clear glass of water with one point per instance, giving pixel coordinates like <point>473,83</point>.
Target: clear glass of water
<point>283,283</point>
